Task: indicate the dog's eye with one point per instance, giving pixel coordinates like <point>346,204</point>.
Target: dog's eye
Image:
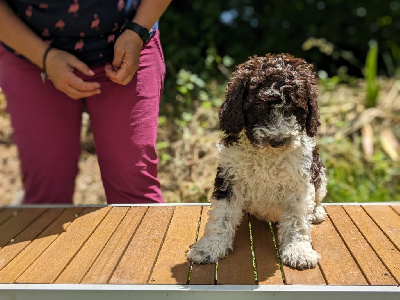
<point>259,105</point>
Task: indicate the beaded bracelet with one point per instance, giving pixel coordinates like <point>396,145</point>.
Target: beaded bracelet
<point>43,74</point>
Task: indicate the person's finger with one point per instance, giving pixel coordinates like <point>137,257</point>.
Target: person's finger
<point>111,71</point>
<point>80,66</point>
<point>121,76</point>
<point>118,57</point>
<point>76,94</point>
<point>81,85</point>
<point>123,73</point>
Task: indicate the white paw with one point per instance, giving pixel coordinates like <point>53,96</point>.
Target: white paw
<point>299,255</point>
<point>206,251</point>
<point>318,215</point>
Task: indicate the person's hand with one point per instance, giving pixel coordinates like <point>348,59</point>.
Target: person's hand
<point>60,67</point>
<point>126,58</point>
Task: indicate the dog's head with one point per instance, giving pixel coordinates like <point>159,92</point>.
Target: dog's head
<point>272,98</point>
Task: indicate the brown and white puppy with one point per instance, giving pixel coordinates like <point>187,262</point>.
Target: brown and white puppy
<point>268,161</point>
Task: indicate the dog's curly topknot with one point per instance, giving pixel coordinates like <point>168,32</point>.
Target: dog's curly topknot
<point>295,78</point>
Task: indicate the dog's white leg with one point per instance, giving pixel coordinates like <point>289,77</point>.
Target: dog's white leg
<point>224,218</point>
<point>295,234</point>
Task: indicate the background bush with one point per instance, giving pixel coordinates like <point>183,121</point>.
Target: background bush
<point>208,38</point>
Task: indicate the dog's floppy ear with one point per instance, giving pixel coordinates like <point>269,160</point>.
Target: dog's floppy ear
<point>231,115</point>
<point>312,121</point>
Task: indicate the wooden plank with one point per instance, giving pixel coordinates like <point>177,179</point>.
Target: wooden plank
<point>17,223</point>
<point>396,208</point>
<point>21,241</point>
<point>307,276</point>
<point>86,256</point>
<point>237,267</point>
<point>24,259</point>
<point>172,266</point>
<point>104,266</point>
<point>6,214</point>
<point>336,262</point>
<point>267,264</point>
<point>386,251</point>
<point>370,264</point>
<point>387,220</point>
<point>138,259</point>
<point>203,274</point>
<point>48,266</point>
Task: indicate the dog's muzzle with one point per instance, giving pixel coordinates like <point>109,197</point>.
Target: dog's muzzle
<point>277,142</point>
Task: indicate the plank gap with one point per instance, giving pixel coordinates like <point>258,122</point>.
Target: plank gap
<point>81,246</point>
<point>161,245</point>
<point>7,214</point>
<point>197,237</point>
<point>27,236</point>
<point>380,228</point>
<point>32,252</point>
<point>378,253</point>
<point>273,228</point>
<point>252,250</point>
<point>127,245</point>
<point>396,209</point>
<point>348,248</point>
<point>99,252</point>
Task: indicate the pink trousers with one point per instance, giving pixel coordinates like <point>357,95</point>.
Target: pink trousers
<point>47,124</point>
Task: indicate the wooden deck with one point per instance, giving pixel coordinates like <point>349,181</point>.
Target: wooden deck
<point>145,245</point>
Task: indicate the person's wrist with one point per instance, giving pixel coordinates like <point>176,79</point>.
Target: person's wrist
<point>137,29</point>
<point>43,74</point>
<point>134,37</point>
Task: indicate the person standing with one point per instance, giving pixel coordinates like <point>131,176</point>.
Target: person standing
<point>59,58</point>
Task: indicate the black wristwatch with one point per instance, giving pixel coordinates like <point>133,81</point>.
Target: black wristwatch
<point>141,31</point>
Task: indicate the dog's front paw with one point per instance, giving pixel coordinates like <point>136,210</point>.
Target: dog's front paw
<point>205,252</point>
<point>299,255</point>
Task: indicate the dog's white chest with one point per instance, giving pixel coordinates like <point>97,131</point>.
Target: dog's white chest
<point>266,181</point>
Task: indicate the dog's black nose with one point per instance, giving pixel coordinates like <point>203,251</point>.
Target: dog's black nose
<point>276,143</point>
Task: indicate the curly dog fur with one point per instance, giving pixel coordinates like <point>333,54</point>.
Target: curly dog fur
<point>268,160</point>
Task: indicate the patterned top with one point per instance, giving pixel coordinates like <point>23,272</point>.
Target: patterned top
<point>85,28</point>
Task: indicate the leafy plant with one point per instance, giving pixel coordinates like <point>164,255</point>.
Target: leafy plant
<point>371,68</point>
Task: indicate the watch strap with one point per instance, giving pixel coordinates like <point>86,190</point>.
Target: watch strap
<point>140,30</point>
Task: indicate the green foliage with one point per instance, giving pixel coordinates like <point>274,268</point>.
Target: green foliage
<point>203,40</point>
<point>371,67</point>
<point>350,179</point>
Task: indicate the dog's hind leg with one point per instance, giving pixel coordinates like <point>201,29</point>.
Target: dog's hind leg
<point>319,212</point>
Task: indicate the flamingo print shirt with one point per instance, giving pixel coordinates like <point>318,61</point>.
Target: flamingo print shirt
<point>85,28</point>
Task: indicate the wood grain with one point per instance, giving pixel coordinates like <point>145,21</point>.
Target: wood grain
<point>203,274</point>
<point>80,264</point>
<point>17,223</point>
<point>336,262</point>
<point>387,220</point>
<point>373,269</point>
<point>105,264</point>
<point>7,213</point>
<point>267,264</point>
<point>386,251</point>
<point>49,265</point>
<point>21,241</point>
<point>139,257</point>
<point>172,266</point>
<point>26,257</point>
<point>237,267</point>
